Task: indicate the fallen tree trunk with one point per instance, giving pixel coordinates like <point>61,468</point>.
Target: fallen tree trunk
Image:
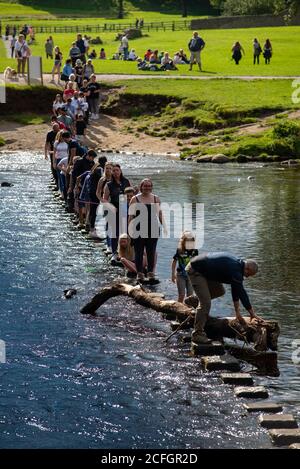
<point>264,335</point>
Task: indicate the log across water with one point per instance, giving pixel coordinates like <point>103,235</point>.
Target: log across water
<point>264,335</point>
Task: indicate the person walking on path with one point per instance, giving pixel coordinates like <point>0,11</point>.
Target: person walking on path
<point>237,51</point>
<point>256,51</point>
<point>196,45</point>
<point>207,274</point>
<point>74,53</point>
<point>12,46</point>
<point>57,65</point>
<point>93,97</point>
<point>22,52</point>
<point>268,51</point>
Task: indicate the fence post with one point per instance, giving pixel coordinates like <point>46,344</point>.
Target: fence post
<point>173,26</point>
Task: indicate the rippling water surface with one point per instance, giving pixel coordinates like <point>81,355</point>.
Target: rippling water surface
<point>112,382</point>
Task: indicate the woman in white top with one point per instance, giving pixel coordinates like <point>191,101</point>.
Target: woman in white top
<point>61,150</point>
<point>57,104</point>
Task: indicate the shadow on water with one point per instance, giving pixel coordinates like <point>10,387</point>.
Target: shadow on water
<point>112,382</point>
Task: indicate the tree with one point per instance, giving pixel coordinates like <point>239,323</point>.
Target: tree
<point>184,8</point>
<point>120,9</point>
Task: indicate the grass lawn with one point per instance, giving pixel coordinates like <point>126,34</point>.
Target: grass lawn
<point>230,95</point>
<point>216,56</point>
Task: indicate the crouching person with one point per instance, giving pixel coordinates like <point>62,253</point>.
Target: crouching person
<point>207,274</point>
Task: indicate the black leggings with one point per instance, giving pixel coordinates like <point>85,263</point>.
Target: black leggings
<point>139,245</point>
<point>255,59</point>
<point>93,212</point>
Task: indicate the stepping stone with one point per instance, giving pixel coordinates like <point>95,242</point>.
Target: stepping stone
<point>217,363</point>
<point>215,348</point>
<point>244,379</point>
<point>176,324</point>
<point>253,392</point>
<point>263,407</point>
<point>277,421</point>
<point>285,437</point>
<point>295,446</point>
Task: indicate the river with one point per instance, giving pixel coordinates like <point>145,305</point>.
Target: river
<point>72,381</point>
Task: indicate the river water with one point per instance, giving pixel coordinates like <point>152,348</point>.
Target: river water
<point>72,381</point>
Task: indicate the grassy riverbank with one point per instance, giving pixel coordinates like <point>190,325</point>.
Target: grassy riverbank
<point>239,119</point>
<point>243,120</point>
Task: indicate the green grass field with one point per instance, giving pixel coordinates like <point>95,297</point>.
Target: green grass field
<point>230,95</point>
<point>216,57</point>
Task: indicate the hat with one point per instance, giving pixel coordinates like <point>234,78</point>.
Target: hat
<point>78,62</point>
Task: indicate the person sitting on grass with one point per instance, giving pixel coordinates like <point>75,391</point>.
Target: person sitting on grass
<point>92,55</point>
<point>132,55</point>
<point>154,59</point>
<point>102,54</point>
<point>167,63</point>
<point>147,55</point>
<point>178,60</point>
<point>184,56</point>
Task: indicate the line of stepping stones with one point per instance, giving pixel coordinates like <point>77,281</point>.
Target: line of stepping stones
<point>283,428</point>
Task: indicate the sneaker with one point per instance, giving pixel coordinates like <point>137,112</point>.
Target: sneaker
<point>201,340</point>
<point>151,279</point>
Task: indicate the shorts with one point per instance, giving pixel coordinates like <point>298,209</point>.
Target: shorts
<point>195,57</point>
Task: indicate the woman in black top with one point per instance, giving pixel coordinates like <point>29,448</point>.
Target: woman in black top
<point>114,193</point>
<point>57,64</point>
<point>145,206</point>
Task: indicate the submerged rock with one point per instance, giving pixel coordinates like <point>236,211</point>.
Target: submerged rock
<point>69,293</point>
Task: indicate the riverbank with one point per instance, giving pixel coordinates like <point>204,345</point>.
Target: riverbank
<point>236,120</point>
<point>109,132</point>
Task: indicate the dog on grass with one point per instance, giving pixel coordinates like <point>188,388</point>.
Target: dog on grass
<point>10,74</point>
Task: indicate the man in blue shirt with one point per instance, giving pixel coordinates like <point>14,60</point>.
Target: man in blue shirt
<point>207,273</point>
<point>196,45</point>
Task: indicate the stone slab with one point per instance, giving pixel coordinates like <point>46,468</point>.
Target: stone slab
<point>277,421</point>
<point>244,379</point>
<point>215,348</point>
<point>285,437</point>
<point>251,392</point>
<point>224,363</point>
<point>263,407</point>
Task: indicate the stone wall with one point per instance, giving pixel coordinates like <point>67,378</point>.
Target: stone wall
<point>232,22</point>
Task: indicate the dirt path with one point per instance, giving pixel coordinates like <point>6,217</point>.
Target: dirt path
<point>107,133</point>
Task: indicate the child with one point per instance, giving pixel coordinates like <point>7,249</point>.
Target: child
<point>186,250</point>
<point>80,128</point>
<point>126,255</point>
